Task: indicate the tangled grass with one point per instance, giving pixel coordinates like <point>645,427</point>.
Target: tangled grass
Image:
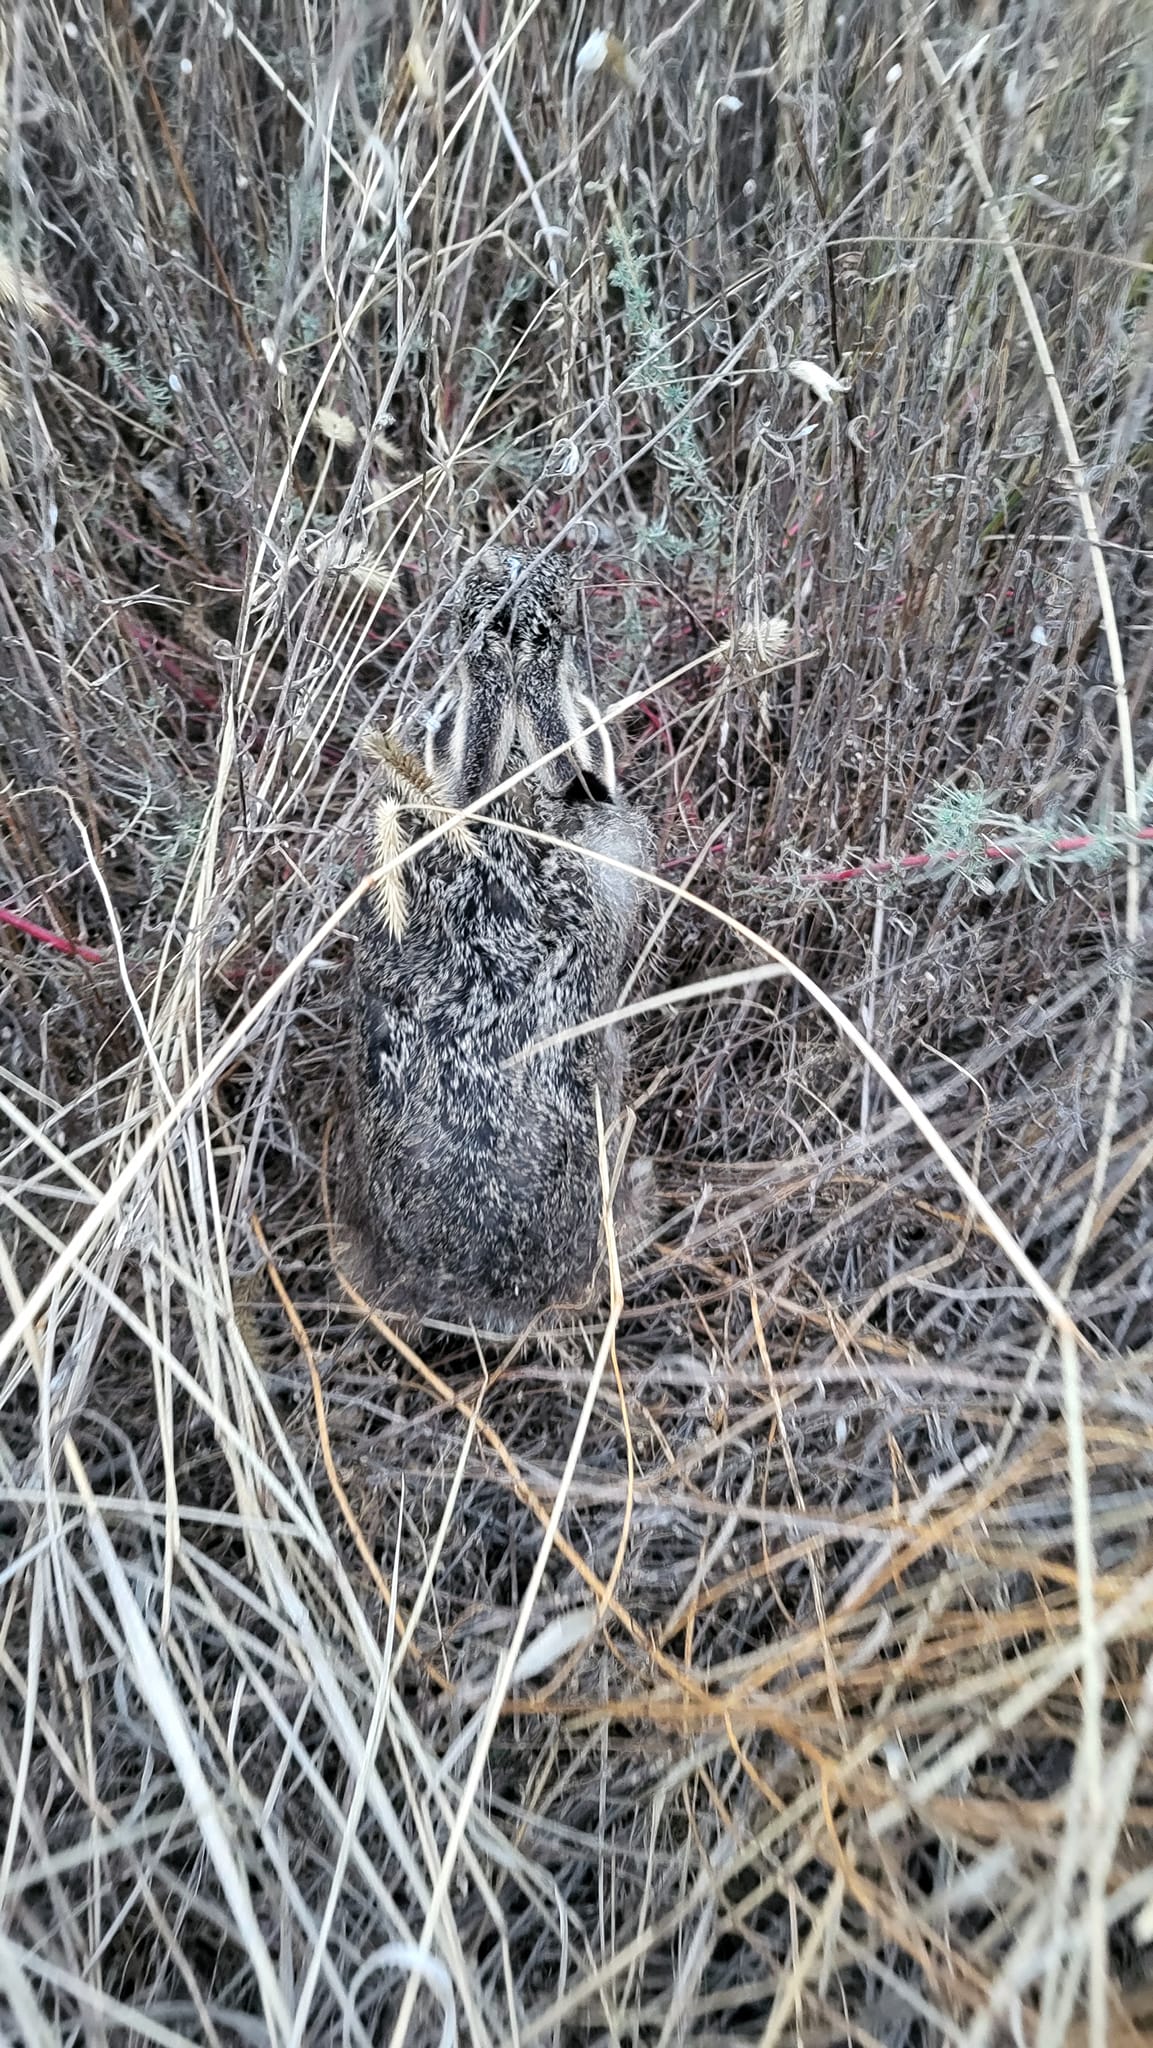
<point>766,1661</point>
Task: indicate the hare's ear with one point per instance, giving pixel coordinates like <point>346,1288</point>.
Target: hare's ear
<point>556,711</point>
<point>601,776</point>
<point>468,747</point>
<point>474,720</point>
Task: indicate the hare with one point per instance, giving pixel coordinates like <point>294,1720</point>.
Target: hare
<point>475,1119</point>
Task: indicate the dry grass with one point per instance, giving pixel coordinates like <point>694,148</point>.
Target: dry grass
<point>767,1662</point>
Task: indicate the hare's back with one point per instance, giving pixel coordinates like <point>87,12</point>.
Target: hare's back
<point>484,1193</point>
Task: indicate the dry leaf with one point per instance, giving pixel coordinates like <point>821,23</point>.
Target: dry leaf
<point>820,382</point>
<point>603,47</point>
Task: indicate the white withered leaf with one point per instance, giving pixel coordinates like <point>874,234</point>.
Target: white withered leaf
<point>821,383</point>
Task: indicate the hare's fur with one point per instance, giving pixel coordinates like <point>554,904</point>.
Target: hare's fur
<point>477,1138</point>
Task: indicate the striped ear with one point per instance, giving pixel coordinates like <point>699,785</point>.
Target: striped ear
<point>471,734</point>
<point>556,714</point>
<point>468,751</point>
<point>599,742</point>
<point>556,711</point>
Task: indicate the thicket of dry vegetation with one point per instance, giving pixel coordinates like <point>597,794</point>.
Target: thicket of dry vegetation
<point>765,1659</point>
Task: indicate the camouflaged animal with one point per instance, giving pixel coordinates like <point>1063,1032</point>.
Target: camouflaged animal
<point>476,1136</point>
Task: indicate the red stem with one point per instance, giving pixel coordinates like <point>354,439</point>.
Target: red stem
<point>870,869</point>
<point>53,939</point>
<point>873,869</point>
